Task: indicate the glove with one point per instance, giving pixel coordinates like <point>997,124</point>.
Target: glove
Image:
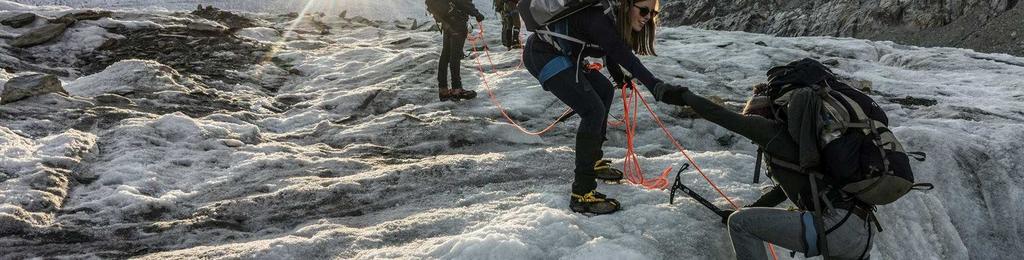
<point>670,94</point>
<point>725,215</point>
<point>623,82</point>
<point>479,18</point>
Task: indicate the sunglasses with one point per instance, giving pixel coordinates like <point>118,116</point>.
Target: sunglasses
<point>644,11</point>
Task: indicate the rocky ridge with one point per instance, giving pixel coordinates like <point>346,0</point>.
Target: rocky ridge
<point>995,26</point>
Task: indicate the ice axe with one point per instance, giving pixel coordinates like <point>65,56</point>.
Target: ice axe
<point>678,185</point>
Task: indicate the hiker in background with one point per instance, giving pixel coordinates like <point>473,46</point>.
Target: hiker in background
<point>510,23</point>
<point>613,32</point>
<point>451,17</point>
<point>784,118</point>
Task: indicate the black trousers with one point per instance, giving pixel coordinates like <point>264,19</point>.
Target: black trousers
<point>510,26</point>
<point>454,32</point>
<point>591,97</point>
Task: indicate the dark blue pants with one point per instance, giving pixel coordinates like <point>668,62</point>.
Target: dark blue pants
<point>591,98</point>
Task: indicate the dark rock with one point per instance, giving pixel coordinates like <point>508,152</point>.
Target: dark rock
<point>4,176</point>
<point>913,101</point>
<point>363,20</point>
<point>289,99</point>
<point>231,20</point>
<point>984,25</point>
<point>200,51</point>
<point>726,140</point>
<point>64,20</point>
<point>85,15</point>
<point>113,99</point>
<point>19,20</point>
<point>38,36</point>
<point>401,41</point>
<point>22,87</point>
<point>109,43</point>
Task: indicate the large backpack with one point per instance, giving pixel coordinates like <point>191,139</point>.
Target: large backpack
<point>439,8</point>
<point>540,15</point>
<point>861,156</point>
<point>546,18</point>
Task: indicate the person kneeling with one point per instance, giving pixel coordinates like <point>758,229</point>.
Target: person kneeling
<point>813,163</point>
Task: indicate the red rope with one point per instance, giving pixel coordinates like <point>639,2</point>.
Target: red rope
<point>631,164</point>
<point>657,182</point>
<point>490,92</point>
<point>679,147</point>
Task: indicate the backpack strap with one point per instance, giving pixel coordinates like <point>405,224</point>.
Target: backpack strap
<point>757,165</point>
<point>548,36</point>
<point>864,121</point>
<point>560,34</point>
<point>819,222</point>
<point>835,119</point>
<point>784,164</point>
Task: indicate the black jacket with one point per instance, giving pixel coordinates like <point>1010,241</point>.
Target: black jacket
<point>463,9</point>
<point>594,27</point>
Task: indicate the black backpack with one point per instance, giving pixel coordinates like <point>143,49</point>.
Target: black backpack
<point>860,155</point>
<point>439,8</point>
<point>543,16</point>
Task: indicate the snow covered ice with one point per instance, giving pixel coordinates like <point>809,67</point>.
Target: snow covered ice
<point>336,147</point>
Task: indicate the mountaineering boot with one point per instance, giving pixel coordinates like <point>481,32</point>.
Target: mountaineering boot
<point>462,94</point>
<point>585,198</point>
<point>593,202</point>
<point>603,170</point>
<point>445,94</point>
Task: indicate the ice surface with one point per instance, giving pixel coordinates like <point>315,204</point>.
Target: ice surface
<point>357,159</point>
<point>128,76</point>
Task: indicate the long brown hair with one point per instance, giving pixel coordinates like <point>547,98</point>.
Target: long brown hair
<point>642,42</point>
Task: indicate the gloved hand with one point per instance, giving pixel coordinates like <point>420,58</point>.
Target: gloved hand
<point>725,215</point>
<point>479,18</point>
<point>623,82</point>
<point>670,94</point>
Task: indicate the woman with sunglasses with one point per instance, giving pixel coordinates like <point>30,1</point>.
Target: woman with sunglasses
<point>613,34</point>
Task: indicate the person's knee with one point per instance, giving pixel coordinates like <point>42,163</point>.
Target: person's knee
<point>593,115</point>
<point>739,221</point>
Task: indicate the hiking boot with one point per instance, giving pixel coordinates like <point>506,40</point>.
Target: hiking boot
<point>603,171</point>
<point>593,203</point>
<point>445,94</point>
<point>462,94</point>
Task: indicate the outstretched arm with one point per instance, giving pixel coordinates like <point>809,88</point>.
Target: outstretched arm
<point>466,7</point>
<point>764,132</point>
